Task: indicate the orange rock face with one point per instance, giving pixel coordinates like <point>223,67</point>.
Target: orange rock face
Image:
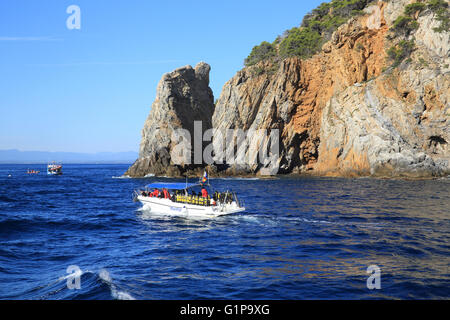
<point>355,54</point>
<point>339,112</point>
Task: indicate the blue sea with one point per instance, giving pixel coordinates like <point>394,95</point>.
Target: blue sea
<point>300,238</point>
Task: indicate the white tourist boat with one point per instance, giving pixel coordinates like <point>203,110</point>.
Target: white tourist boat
<point>54,169</point>
<point>180,199</point>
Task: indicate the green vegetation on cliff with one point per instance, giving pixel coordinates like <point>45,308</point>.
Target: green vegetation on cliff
<point>415,7</point>
<point>400,51</point>
<point>318,26</point>
<point>441,10</point>
<point>406,24</point>
<point>316,29</point>
<point>264,51</point>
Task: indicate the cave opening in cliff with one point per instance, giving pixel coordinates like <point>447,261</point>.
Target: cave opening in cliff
<point>435,140</point>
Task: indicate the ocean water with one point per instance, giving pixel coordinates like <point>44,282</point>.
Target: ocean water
<point>300,238</point>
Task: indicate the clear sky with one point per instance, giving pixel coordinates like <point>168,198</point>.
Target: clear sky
<point>90,90</point>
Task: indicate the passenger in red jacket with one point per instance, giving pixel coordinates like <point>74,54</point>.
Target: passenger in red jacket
<point>156,193</point>
<point>204,193</point>
<point>166,194</point>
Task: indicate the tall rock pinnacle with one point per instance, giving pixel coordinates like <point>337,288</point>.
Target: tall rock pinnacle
<point>183,96</point>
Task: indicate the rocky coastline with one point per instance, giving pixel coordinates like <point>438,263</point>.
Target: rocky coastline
<point>348,111</point>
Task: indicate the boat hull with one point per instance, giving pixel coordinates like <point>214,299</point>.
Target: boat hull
<point>168,207</point>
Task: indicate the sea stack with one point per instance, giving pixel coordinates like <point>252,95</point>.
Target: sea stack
<point>183,96</point>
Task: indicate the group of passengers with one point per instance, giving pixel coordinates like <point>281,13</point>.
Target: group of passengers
<point>200,198</point>
<point>157,194</point>
<point>165,194</point>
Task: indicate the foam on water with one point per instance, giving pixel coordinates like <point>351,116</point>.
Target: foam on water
<point>236,178</point>
<point>116,294</point>
<point>148,214</point>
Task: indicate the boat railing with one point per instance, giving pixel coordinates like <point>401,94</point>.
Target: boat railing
<point>221,199</point>
<point>239,202</point>
<point>177,198</point>
<point>135,195</point>
<point>192,199</point>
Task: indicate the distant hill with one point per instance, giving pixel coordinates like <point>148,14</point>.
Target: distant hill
<point>17,156</point>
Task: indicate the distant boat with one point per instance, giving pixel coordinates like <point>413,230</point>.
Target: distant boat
<point>54,168</point>
<point>32,171</point>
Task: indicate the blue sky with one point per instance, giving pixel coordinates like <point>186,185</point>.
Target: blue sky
<point>90,90</point>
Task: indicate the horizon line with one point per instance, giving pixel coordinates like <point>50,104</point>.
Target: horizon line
<point>68,162</point>
<point>83,152</point>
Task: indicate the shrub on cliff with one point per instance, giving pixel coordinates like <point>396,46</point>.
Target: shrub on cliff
<point>318,26</point>
<point>302,42</point>
<point>436,4</point>
<point>412,8</point>
<point>404,25</point>
<point>440,8</point>
<point>399,52</point>
<point>262,52</point>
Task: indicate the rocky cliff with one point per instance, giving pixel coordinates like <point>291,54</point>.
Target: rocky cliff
<point>351,109</point>
<point>183,96</point>
<point>345,111</point>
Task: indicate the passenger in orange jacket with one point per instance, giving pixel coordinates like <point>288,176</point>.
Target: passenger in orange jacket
<point>156,193</point>
<point>204,193</point>
<point>166,194</point>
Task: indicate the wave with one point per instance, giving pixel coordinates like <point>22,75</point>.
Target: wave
<point>237,178</point>
<point>125,176</point>
<point>7,199</point>
<point>92,285</point>
<point>12,225</point>
<point>148,214</point>
<point>116,294</point>
<point>267,220</point>
<point>334,223</point>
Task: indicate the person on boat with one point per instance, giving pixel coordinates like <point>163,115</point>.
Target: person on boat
<point>229,197</point>
<point>166,194</point>
<point>155,193</point>
<point>204,192</point>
